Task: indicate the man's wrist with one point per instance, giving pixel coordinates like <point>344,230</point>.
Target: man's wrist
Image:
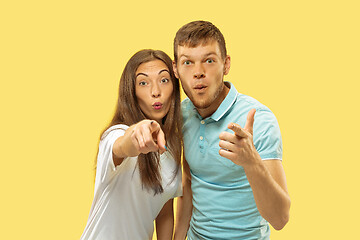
<point>255,165</point>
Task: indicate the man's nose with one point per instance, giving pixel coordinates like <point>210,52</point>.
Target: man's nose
<point>199,71</point>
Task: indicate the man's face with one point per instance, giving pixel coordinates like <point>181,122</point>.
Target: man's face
<point>201,70</point>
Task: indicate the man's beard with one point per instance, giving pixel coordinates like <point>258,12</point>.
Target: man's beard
<point>206,103</point>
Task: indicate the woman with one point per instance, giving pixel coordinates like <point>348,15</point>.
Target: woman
<point>138,165</point>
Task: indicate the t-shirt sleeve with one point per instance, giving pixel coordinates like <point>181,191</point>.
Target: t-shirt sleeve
<point>267,136</point>
<point>105,165</point>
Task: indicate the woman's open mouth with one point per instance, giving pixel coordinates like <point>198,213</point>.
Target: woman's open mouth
<point>157,105</point>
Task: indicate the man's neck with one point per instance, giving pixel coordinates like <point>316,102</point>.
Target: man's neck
<point>207,112</point>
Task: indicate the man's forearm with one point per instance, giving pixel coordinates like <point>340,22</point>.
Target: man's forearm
<point>183,215</point>
<point>165,222</point>
<point>268,183</point>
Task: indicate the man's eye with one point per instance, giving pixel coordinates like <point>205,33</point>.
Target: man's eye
<point>164,80</point>
<point>187,63</point>
<point>209,61</point>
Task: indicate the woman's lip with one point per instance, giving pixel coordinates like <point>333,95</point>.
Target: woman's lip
<point>157,105</point>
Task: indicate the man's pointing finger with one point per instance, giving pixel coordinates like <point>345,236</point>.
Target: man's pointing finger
<point>250,121</point>
<point>240,132</point>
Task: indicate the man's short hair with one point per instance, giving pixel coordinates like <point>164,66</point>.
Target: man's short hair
<point>199,32</point>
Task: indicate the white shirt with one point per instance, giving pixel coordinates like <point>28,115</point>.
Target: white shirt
<point>121,208</point>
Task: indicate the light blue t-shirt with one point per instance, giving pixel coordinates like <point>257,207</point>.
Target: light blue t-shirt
<point>223,201</point>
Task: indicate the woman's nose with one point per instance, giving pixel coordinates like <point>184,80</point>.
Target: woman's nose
<point>155,91</point>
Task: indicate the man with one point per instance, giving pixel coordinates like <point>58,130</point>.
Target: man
<point>233,180</point>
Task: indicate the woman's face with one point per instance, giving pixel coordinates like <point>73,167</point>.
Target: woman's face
<point>153,88</point>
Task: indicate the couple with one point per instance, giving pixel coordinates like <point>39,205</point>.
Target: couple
<point>226,189</point>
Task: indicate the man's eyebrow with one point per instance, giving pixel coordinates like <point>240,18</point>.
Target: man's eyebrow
<point>206,55</point>
<point>183,55</point>
<point>210,53</point>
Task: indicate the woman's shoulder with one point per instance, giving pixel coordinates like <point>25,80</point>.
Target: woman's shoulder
<point>118,128</point>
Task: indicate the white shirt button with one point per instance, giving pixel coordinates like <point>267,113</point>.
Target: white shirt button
<point>202,122</point>
<point>201,138</point>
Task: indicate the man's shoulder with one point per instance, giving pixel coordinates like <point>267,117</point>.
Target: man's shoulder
<point>246,102</point>
<point>243,104</point>
<point>188,110</point>
<point>186,102</point>
<point>186,106</point>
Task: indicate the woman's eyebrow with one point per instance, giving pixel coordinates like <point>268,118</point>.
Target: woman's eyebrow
<point>144,74</point>
<point>141,74</point>
<point>164,70</point>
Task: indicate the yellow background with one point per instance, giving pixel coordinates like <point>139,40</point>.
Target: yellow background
<point>60,63</point>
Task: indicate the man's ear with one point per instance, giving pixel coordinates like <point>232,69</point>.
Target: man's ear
<point>175,69</point>
<point>227,64</point>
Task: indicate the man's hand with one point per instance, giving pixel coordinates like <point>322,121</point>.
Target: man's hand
<point>239,146</point>
<point>266,178</point>
<point>147,136</point>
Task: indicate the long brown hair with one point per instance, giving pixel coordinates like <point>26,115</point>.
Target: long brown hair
<point>128,112</point>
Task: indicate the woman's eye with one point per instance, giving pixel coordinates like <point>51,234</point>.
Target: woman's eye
<point>164,80</point>
<point>142,83</point>
<point>209,61</point>
<point>187,63</point>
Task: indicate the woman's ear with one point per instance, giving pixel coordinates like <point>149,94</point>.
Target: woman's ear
<point>175,69</point>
